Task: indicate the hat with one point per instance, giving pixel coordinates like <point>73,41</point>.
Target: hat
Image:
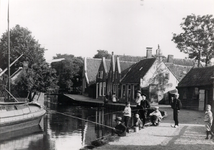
<point>139,91</point>
<point>118,119</point>
<point>156,107</point>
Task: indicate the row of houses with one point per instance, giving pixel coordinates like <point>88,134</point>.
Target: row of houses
<point>155,75</point>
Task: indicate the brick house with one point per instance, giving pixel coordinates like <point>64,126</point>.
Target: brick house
<point>97,74</point>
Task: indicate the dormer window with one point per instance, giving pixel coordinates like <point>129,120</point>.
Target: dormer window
<point>116,74</point>
<point>100,74</point>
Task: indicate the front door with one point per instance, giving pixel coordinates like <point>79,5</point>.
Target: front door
<point>201,99</point>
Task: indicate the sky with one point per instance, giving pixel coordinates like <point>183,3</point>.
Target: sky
<point>81,27</point>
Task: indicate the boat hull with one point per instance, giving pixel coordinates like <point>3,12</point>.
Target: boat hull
<point>19,125</point>
<point>23,116</point>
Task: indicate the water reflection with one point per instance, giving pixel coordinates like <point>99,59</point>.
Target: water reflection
<point>60,132</point>
<point>21,139</point>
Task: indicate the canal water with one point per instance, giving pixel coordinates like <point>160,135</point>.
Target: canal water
<point>67,130</point>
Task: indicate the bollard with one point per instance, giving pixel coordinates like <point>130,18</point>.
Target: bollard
<point>136,129</point>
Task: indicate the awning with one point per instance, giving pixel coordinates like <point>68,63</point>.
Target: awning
<point>82,98</point>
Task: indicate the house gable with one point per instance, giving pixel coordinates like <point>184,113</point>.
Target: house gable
<point>102,71</point>
<point>91,67</point>
<point>137,71</point>
<point>179,67</point>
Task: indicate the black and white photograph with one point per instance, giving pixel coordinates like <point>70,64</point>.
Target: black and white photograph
<point>106,74</point>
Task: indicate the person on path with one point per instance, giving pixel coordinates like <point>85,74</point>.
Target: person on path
<point>137,122</point>
<point>127,115</point>
<point>144,109</point>
<point>138,99</point>
<point>208,119</point>
<point>156,116</point>
<point>176,106</point>
<point>138,102</point>
<point>120,129</point>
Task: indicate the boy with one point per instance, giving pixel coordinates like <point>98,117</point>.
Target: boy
<point>127,115</point>
<point>156,116</point>
<point>208,119</point>
<point>120,129</point>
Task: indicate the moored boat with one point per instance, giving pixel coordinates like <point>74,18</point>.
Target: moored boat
<point>18,115</point>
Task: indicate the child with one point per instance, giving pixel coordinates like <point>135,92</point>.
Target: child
<point>208,119</point>
<point>156,116</point>
<point>120,129</point>
<point>127,115</point>
<point>138,122</point>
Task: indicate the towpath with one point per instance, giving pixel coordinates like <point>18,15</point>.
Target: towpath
<point>190,135</point>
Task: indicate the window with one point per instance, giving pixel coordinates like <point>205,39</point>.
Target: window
<point>100,74</point>
<point>116,74</point>
<point>97,90</point>
<point>167,76</point>
<point>123,90</point>
<point>100,89</point>
<point>129,91</point>
<point>104,88</point>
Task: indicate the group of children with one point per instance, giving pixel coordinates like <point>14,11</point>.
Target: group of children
<point>155,116</point>
<point>121,129</point>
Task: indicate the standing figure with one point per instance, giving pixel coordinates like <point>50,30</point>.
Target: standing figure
<point>155,116</point>
<point>144,109</point>
<point>138,99</point>
<point>114,99</point>
<point>208,119</point>
<point>127,115</point>
<point>120,129</point>
<point>176,106</point>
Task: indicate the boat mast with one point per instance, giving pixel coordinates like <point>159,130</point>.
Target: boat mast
<point>8,51</point>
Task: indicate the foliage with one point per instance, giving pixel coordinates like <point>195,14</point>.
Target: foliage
<point>40,77</point>
<point>69,72</point>
<point>36,75</point>
<point>21,42</point>
<point>102,53</point>
<point>197,40</point>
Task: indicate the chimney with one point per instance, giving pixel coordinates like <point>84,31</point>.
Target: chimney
<point>148,52</point>
<point>170,59</point>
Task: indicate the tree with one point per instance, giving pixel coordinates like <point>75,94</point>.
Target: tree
<point>69,72</point>
<point>36,75</point>
<point>38,78</point>
<point>21,42</point>
<point>197,40</point>
<point>102,53</point>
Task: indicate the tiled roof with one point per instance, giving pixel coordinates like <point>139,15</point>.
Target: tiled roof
<point>93,65</point>
<point>178,71</point>
<point>198,77</point>
<point>92,68</point>
<point>126,64</point>
<point>182,62</point>
<point>130,58</point>
<point>108,63</point>
<point>138,70</point>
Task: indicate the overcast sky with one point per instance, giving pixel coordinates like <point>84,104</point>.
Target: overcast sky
<point>81,27</point>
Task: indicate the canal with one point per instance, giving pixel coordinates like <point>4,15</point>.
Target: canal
<point>64,127</point>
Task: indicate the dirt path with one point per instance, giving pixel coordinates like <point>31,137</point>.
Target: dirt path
<point>189,136</point>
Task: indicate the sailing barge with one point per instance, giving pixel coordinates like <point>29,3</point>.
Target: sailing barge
<point>17,115</point>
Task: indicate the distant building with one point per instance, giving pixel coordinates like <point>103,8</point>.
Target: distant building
<point>196,89</point>
<point>154,75</point>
